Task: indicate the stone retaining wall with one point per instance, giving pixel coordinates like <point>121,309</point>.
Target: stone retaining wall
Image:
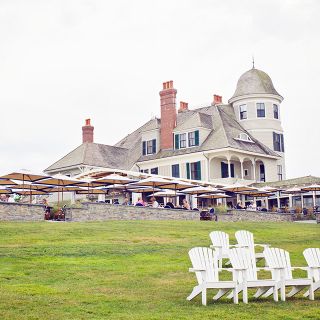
<point>104,211</point>
<point>244,215</point>
<point>13,211</point>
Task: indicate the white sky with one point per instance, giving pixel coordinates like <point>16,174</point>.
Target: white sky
<point>63,61</point>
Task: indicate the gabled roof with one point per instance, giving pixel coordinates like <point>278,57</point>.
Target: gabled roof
<point>93,154</point>
<point>193,119</point>
<point>224,130</point>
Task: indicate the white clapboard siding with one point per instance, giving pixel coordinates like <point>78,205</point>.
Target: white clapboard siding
<point>205,265</point>
<point>278,261</point>
<point>245,273</point>
<point>220,243</point>
<point>312,256</point>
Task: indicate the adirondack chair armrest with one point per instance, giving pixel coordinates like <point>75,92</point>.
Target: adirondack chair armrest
<point>265,245</point>
<point>215,247</point>
<point>301,268</point>
<point>196,270</point>
<point>225,269</point>
<point>239,246</point>
<point>233,245</point>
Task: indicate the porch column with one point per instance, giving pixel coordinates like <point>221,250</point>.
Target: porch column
<point>290,200</point>
<point>301,200</point>
<point>267,203</point>
<point>278,199</point>
<point>242,173</point>
<point>229,169</point>
<point>209,160</point>
<point>254,169</point>
<point>314,198</point>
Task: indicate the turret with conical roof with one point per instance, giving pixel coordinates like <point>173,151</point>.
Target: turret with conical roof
<point>256,104</point>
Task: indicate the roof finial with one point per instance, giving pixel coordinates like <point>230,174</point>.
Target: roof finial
<point>252,61</point>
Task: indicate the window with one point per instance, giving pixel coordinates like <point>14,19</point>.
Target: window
<point>243,111</point>
<point>175,171</point>
<point>279,168</point>
<point>194,170</point>
<point>278,142</point>
<point>154,171</point>
<point>246,172</point>
<point>149,147</point>
<point>275,111</point>
<point>145,170</point>
<point>262,173</point>
<point>261,112</point>
<point>225,170</point>
<point>183,140</point>
<point>191,139</point>
<point>244,137</point>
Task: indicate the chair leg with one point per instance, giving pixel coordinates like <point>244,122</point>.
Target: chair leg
<point>295,290</point>
<point>235,296</point>
<point>220,294</point>
<point>283,291</point>
<point>196,290</point>
<point>311,290</point>
<point>204,296</point>
<point>275,293</point>
<point>245,294</point>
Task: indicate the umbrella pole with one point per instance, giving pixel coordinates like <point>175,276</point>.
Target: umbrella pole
<point>30,195</point>
<point>314,199</point>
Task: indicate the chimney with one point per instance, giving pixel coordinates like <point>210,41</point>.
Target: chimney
<point>87,132</point>
<point>183,106</point>
<point>217,99</point>
<point>168,114</point>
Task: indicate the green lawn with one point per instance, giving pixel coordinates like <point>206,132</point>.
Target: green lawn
<point>130,270</point>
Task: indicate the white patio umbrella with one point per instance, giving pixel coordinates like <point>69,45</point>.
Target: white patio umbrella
<point>295,191</point>
<point>213,196</point>
<point>5,191</point>
<point>142,189</point>
<point>201,190</point>
<point>314,188</point>
<point>153,182</point>
<point>167,193</point>
<point>238,188</point>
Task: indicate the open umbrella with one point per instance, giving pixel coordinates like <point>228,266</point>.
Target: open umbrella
<point>25,175</point>
<point>295,191</point>
<point>201,190</point>
<point>314,188</point>
<point>153,182</point>
<point>142,189</point>
<point>213,196</point>
<point>167,193</point>
<point>7,182</point>
<point>238,188</point>
<point>5,191</point>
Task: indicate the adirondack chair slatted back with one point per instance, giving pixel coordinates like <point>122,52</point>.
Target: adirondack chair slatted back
<point>204,258</point>
<point>278,258</point>
<point>245,239</point>
<point>242,258</point>
<point>312,256</point>
<point>220,239</point>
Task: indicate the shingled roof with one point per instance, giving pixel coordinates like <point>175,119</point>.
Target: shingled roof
<point>93,154</point>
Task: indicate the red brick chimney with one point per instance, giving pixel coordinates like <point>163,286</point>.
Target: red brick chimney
<point>183,106</point>
<point>87,132</point>
<point>168,114</point>
<point>217,99</point>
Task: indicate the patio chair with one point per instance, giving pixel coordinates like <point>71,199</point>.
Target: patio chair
<point>205,265</point>
<point>245,240</point>
<point>312,256</point>
<point>220,243</point>
<point>245,273</point>
<point>278,261</point>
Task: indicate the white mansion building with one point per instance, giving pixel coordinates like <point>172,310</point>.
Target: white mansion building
<point>219,143</point>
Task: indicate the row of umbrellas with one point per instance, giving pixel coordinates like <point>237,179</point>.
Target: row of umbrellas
<point>33,184</point>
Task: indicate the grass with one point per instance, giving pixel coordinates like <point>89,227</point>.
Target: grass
<point>130,270</point>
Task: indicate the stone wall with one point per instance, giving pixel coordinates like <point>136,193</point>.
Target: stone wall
<point>12,211</point>
<point>244,215</point>
<point>104,211</point>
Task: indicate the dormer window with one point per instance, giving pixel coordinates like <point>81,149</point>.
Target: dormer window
<point>149,147</point>
<point>244,137</point>
<point>181,141</point>
<point>243,111</point>
<point>261,110</point>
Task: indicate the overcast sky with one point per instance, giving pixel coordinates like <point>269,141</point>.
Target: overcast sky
<point>63,61</point>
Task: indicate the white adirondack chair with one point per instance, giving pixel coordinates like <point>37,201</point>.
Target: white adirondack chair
<point>205,266</point>
<point>220,243</point>
<point>312,256</point>
<point>278,261</point>
<point>245,240</point>
<point>245,273</point>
